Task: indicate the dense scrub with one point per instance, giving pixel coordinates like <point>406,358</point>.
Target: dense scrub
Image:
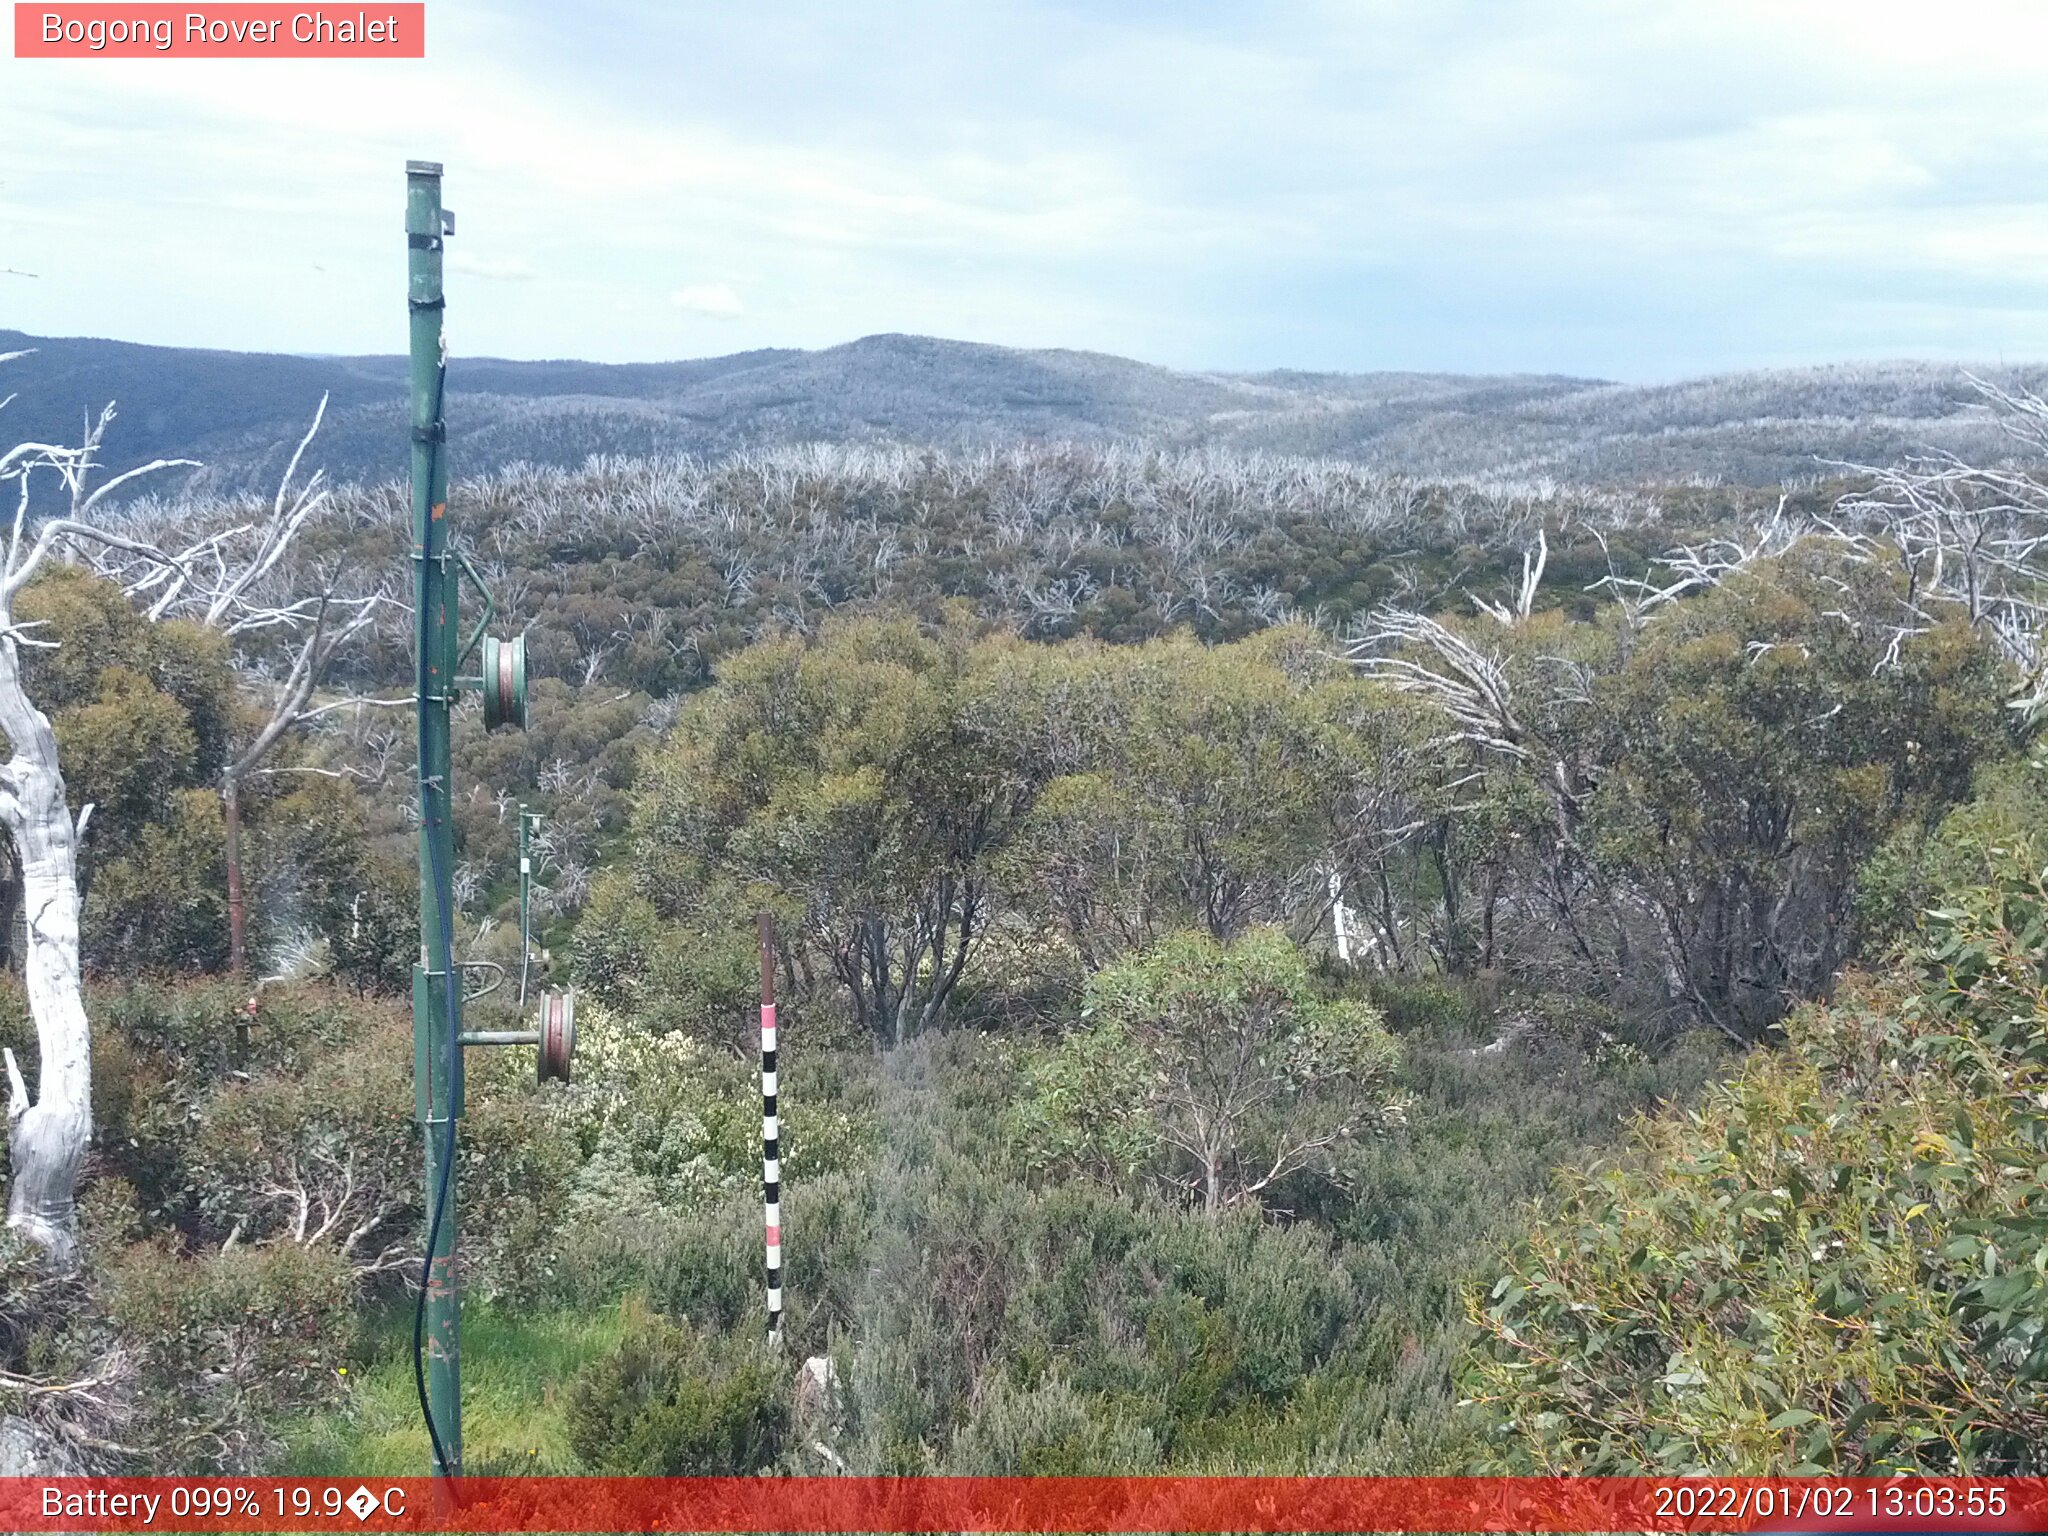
<point>642,573</point>
<point>636,580</point>
<point>1669,814</point>
<point>254,1179</point>
<point>1834,1264</point>
<point>987,1313</point>
<point>1214,895</point>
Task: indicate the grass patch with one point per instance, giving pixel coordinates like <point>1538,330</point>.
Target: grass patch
<point>516,1373</point>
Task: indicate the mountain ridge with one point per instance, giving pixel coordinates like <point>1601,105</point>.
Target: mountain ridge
<point>241,412</point>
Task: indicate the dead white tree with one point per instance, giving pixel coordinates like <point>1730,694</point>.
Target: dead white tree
<point>1420,656</point>
<point>1475,693</point>
<point>1533,561</point>
<point>1968,538</point>
<point>229,578</point>
<point>240,579</point>
<point>1696,567</point>
<point>47,1134</point>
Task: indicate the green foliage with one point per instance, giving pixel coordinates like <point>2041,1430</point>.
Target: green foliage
<point>51,1333</point>
<point>659,1122</point>
<point>1087,1107</point>
<point>315,870</point>
<point>701,977</point>
<point>1919,864</point>
<point>122,747</point>
<point>674,1402</point>
<point>981,1322</point>
<point>325,1157</point>
<point>1047,1429</point>
<point>984,1321</point>
<point>1759,749</point>
<point>1111,854</point>
<point>1185,785</point>
<point>255,1178</point>
<point>145,1357</point>
<point>660,1130</point>
<point>232,1345</point>
<point>164,902</point>
<point>142,713</point>
<point>1669,806</point>
<point>941,812</point>
<point>1832,1265</point>
<point>374,940</point>
<point>846,782</point>
<point>574,764</point>
<point>1215,1065</point>
<point>109,663</point>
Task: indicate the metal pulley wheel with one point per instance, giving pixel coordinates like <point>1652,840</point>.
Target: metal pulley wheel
<point>504,682</point>
<point>557,1034</point>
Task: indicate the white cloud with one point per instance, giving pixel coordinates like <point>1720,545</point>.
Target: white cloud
<point>715,299</point>
<point>1584,185</point>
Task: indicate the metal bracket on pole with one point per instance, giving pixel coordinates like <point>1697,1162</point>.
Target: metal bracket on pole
<point>495,971</point>
<point>490,606</point>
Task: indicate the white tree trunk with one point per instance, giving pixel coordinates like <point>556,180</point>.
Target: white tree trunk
<point>46,1139</point>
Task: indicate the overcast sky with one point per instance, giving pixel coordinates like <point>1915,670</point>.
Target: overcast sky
<point>1626,188</point>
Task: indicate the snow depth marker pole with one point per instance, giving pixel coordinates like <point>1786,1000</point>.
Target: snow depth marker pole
<point>527,821</point>
<point>771,1133</point>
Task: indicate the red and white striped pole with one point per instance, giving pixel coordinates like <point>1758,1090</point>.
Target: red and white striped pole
<point>771,1132</point>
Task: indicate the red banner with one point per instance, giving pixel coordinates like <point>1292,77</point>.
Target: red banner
<point>234,31</point>
<point>1025,1504</point>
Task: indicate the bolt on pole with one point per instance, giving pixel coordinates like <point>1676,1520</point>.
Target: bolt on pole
<point>437,998</point>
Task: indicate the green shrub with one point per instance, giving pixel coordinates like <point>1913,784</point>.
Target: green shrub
<point>373,934</point>
<point>230,1346</point>
<point>162,902</point>
<point>295,1125</point>
<point>1834,1264</point>
<point>1216,1067</point>
<point>676,1402</point>
<point>1048,1430</point>
<point>1918,866</point>
<point>1434,1007</point>
<point>703,981</point>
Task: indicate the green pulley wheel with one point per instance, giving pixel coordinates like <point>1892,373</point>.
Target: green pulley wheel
<point>557,1035</point>
<point>504,680</point>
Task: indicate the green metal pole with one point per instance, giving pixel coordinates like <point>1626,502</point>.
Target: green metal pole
<point>437,1059</point>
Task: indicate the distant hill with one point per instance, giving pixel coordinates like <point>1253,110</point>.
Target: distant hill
<point>241,412</point>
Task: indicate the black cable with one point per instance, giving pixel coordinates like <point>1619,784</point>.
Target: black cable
<point>446,958</point>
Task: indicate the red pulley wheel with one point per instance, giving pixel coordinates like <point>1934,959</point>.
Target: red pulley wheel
<point>557,1035</point>
<point>504,682</point>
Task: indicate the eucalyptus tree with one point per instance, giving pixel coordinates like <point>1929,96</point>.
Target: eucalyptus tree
<point>1214,1068</point>
<point>1718,753</point>
<point>290,619</point>
<point>225,575</point>
<point>838,777</point>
